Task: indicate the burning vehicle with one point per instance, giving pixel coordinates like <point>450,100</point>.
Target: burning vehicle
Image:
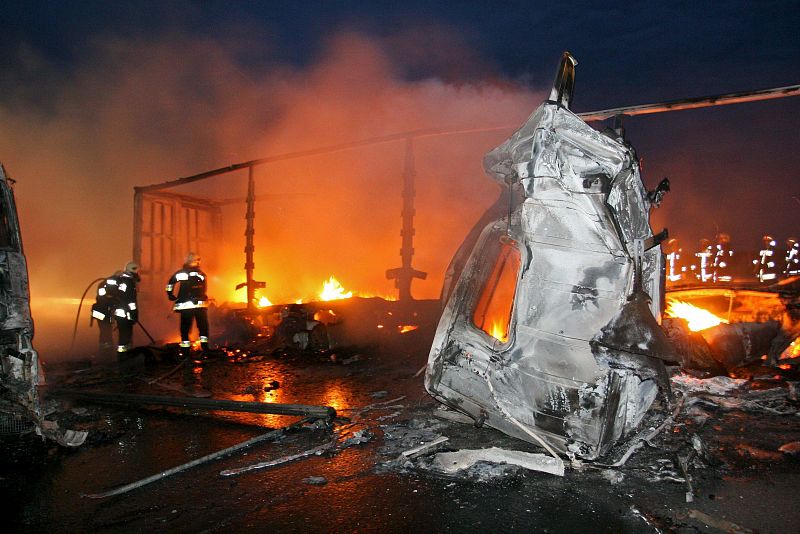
<point>550,332</point>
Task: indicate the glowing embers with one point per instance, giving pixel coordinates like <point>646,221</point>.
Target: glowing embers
<point>493,311</point>
<point>333,290</point>
<point>698,318</point>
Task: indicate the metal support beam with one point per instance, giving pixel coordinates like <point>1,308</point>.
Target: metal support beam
<point>319,412</point>
<point>404,275</point>
<point>693,103</point>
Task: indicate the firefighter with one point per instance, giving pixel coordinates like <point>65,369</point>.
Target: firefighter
<point>191,302</point>
<point>792,267</point>
<point>675,268</point>
<point>704,255</point>
<point>723,255</point>
<point>116,299</point>
<point>766,268</point>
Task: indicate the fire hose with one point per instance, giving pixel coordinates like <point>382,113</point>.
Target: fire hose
<point>78,315</point>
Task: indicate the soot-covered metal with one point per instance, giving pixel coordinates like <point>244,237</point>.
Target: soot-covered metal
<point>550,329</point>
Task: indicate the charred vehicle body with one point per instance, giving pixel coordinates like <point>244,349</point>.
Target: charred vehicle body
<point>21,374</point>
<point>549,331</point>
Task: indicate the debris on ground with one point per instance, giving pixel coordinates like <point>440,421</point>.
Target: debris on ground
<point>451,462</point>
<point>358,437</point>
<point>792,448</point>
<point>316,451</point>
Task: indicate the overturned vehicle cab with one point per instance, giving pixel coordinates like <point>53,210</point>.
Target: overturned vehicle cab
<point>549,331</point>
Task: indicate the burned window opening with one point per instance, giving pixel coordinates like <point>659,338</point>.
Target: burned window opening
<point>493,309</point>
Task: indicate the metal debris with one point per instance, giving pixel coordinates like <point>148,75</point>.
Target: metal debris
<point>425,448</point>
<point>359,437</point>
<point>792,448</point>
<point>271,435</point>
<point>549,331</point>
<point>279,461</point>
<point>451,462</point>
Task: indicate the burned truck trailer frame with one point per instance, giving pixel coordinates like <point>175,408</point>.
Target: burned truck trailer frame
<point>550,333</point>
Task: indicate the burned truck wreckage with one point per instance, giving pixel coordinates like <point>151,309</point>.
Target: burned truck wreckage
<point>21,409</point>
<point>549,332</point>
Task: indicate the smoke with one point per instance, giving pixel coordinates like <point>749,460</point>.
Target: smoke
<point>136,111</point>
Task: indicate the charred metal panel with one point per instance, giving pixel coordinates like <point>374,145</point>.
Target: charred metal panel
<point>20,374</point>
<point>580,223</point>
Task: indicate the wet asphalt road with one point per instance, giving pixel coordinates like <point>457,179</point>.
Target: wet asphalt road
<point>752,487</point>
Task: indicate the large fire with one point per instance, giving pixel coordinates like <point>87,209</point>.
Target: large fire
<point>333,290</point>
<point>698,318</point>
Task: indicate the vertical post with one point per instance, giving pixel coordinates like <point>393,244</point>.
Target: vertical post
<point>137,225</point>
<point>249,248</point>
<point>407,233</point>
<point>404,275</point>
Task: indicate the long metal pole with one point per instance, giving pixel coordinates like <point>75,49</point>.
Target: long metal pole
<point>250,247</point>
<point>320,412</point>
<point>693,103</point>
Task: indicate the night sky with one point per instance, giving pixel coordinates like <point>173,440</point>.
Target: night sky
<point>96,97</point>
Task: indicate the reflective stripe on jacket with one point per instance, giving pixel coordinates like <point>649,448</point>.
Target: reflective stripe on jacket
<point>191,284</point>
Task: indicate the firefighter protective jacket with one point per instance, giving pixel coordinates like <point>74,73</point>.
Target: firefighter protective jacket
<point>116,297</point>
<point>191,291</point>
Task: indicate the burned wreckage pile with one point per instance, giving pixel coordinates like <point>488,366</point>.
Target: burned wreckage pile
<point>550,330</point>
<point>549,334</point>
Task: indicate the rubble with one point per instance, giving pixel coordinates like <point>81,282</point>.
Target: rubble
<point>451,462</point>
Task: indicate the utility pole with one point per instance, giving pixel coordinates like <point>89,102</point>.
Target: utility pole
<point>404,275</point>
<point>250,247</point>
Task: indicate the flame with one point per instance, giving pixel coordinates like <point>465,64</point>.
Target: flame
<point>499,330</point>
<point>333,290</point>
<point>403,328</point>
<point>263,302</point>
<point>792,351</point>
<point>698,318</point>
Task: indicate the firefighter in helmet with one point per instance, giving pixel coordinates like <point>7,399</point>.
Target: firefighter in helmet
<point>116,299</point>
<point>723,255</point>
<point>792,267</point>
<point>191,302</point>
<point>765,264</point>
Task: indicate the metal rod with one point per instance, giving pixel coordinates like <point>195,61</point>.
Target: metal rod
<point>693,103</point>
<point>273,434</point>
<point>318,412</point>
<point>330,149</point>
<point>673,105</point>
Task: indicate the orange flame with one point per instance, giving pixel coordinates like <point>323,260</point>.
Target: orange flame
<point>263,302</point>
<point>499,330</point>
<point>333,290</point>
<point>698,318</point>
<point>403,328</point>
